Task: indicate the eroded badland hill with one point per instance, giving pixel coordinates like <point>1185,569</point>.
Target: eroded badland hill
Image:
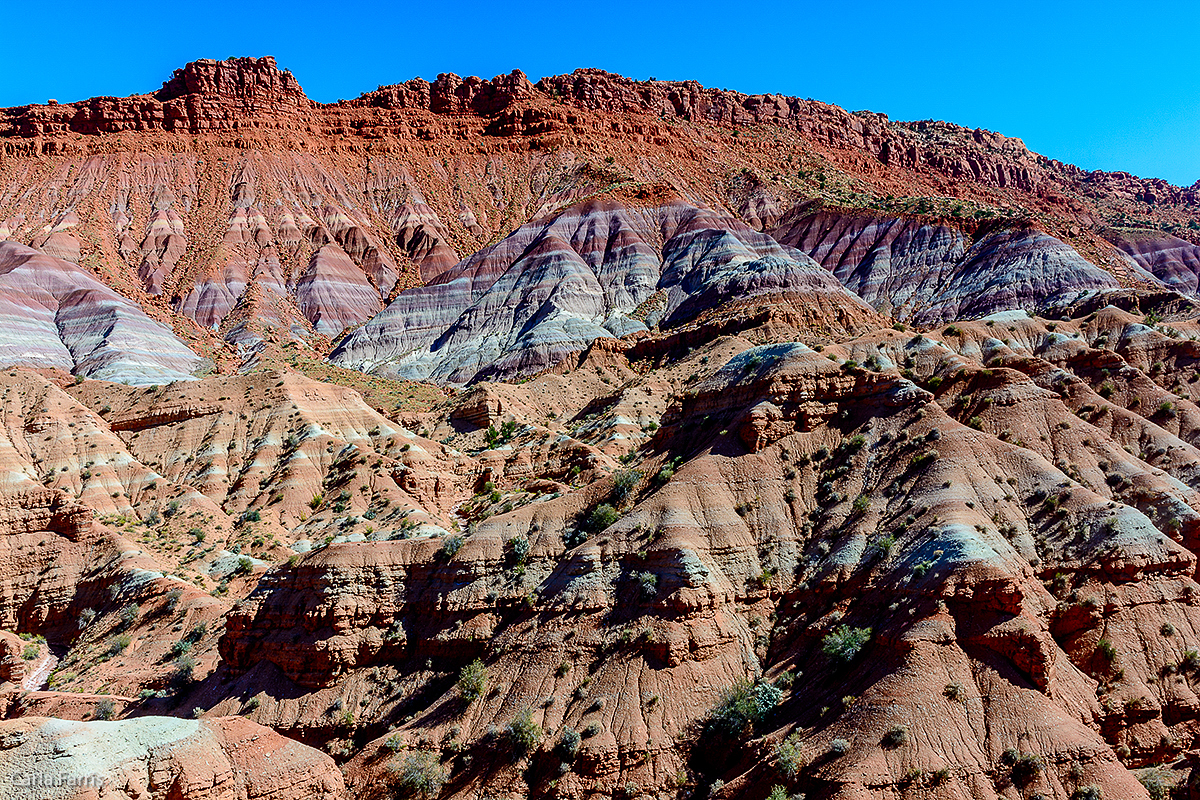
<point>587,438</point>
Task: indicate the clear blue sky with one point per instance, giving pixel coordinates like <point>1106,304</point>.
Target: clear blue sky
<point>1104,85</point>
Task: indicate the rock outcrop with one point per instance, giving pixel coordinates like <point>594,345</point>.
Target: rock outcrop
<point>160,758</point>
<point>55,315</point>
<point>1174,261</point>
<point>591,271</point>
<point>926,272</point>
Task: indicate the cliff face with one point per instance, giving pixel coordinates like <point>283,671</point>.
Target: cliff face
<point>228,196</point>
<point>203,96</point>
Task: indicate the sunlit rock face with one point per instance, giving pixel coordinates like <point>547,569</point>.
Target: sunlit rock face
<point>598,269</point>
<point>55,315</point>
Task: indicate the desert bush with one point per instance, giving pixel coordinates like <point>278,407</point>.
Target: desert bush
<point>624,482</point>
<point>419,775</point>
<point>450,547</point>
<point>844,643</point>
<point>117,644</point>
<point>522,733</point>
<point>127,616</point>
<point>648,582</point>
<point>185,668</point>
<point>518,546</point>
<point>788,758</point>
<point>104,710</point>
<point>568,744</point>
<point>601,517</point>
<point>1026,769</point>
<point>472,680</point>
<point>742,705</point>
<point>896,736</point>
<point>1158,787</point>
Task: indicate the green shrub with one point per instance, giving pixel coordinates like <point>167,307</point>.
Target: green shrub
<point>788,758</point>
<point>519,547</point>
<point>1087,793</point>
<point>420,775</point>
<point>1026,769</point>
<point>601,517</point>
<point>648,582</point>
<point>741,705</point>
<point>624,482</point>
<point>522,734</point>
<point>30,651</point>
<point>896,736</point>
<point>955,692</point>
<point>844,643</point>
<point>104,710</point>
<point>472,680</point>
<point>1158,787</point>
<point>568,744</point>
<point>127,616</point>
<point>185,668</point>
<point>1106,650</point>
<point>450,547</point>
<point>923,460</point>
<point>117,645</point>
<point>882,547</point>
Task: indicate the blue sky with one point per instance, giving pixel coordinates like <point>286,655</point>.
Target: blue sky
<point>1104,85</point>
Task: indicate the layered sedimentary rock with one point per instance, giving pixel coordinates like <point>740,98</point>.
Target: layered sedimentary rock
<point>161,758</point>
<point>850,458</point>
<point>927,272</point>
<point>1174,261</point>
<point>594,270</point>
<point>56,315</point>
<point>228,182</point>
<point>789,498</point>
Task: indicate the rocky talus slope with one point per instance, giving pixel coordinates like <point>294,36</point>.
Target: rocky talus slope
<point>587,438</point>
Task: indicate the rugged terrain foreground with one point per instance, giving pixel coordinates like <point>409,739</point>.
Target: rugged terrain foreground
<point>591,438</point>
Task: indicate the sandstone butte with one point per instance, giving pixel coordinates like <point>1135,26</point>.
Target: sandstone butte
<point>587,438</point>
